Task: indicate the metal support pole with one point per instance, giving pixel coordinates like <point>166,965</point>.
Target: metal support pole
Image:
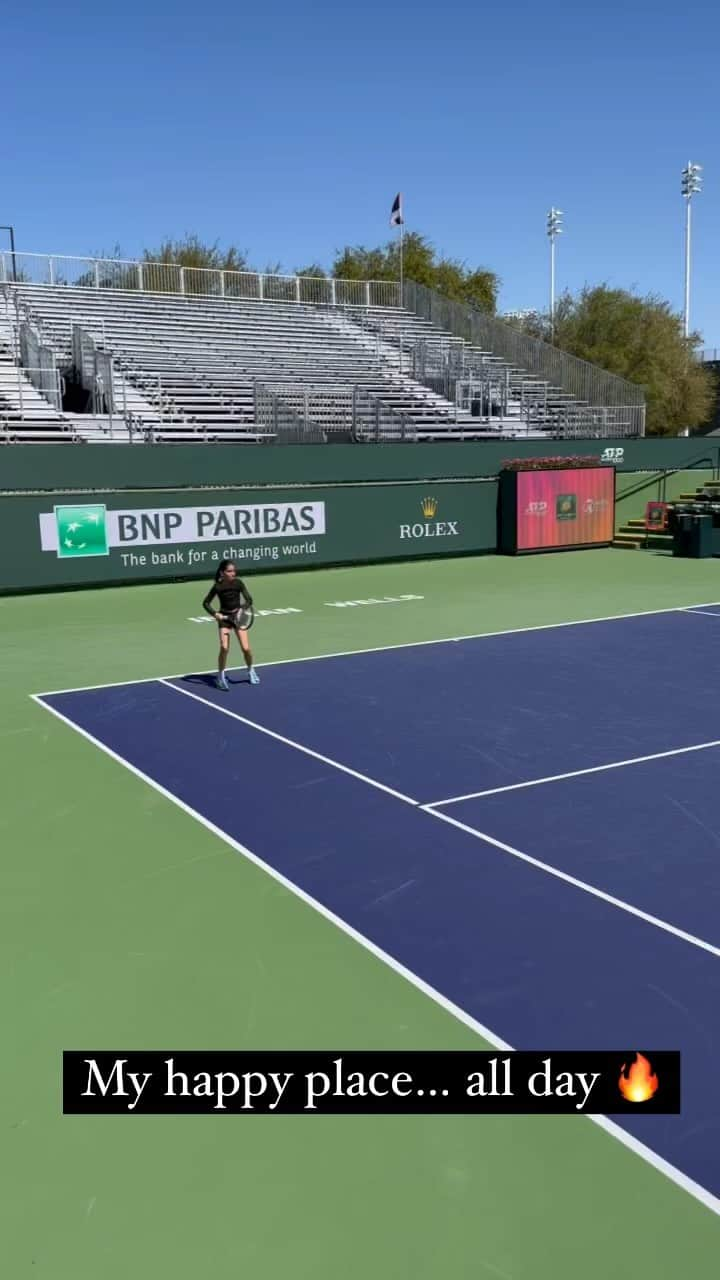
<point>11,230</point>
<point>688,229</point>
<point>552,289</point>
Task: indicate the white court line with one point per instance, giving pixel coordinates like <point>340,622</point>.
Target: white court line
<point>705,612</point>
<point>575,773</point>
<point>579,884</point>
<point>389,648</point>
<point>288,742</point>
<point>497,844</point>
<point>680,1179</point>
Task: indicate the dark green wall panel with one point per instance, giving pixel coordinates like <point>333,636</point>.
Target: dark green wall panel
<point>28,467</point>
<point>186,534</point>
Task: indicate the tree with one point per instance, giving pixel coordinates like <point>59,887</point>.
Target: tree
<point>422,263</point>
<point>639,338</point>
<point>191,252</point>
<point>314,271</point>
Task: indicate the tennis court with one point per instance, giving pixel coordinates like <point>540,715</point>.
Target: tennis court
<point>497,817</point>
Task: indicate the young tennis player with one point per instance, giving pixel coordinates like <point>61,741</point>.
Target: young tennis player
<point>234,614</point>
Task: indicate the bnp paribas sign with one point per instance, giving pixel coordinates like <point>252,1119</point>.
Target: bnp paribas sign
<point>90,529</point>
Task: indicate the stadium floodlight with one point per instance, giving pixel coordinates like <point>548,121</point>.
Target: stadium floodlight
<point>554,229</point>
<point>691,186</point>
<point>12,250</point>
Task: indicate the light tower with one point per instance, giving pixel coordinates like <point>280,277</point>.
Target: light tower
<point>554,229</point>
<point>691,186</point>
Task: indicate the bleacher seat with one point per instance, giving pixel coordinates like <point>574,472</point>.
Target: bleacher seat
<point>189,368</point>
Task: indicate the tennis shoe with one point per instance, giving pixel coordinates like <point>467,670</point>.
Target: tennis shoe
<point>254,677</point>
<point>222,683</point>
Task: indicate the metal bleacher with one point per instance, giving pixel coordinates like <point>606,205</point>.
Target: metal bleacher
<point>95,350</point>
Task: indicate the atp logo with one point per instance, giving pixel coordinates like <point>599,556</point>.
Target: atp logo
<point>613,455</point>
<point>81,531</point>
<point>536,509</point>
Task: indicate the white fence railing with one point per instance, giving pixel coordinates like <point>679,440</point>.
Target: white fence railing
<point>194,282</point>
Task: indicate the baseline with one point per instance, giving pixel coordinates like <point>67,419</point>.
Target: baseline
<point>409,644</point>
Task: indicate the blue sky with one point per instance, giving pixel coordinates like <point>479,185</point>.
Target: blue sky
<point>288,131</point>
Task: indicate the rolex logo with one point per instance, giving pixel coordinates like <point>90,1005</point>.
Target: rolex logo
<point>430,528</point>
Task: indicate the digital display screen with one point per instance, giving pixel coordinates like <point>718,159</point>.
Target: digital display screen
<point>565,508</point>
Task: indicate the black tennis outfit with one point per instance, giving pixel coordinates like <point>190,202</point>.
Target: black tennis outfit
<point>235,600</point>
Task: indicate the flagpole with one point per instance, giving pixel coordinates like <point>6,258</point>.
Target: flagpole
<point>397,219</point>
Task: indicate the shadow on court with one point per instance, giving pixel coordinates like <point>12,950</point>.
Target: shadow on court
<point>207,680</point>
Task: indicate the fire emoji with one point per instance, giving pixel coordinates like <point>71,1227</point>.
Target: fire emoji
<point>639,1082</point>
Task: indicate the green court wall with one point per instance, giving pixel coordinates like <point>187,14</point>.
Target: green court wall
<point>163,535</point>
<point>46,467</point>
<point>445,495</point>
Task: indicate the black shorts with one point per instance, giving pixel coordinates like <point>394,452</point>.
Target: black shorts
<point>235,622</point>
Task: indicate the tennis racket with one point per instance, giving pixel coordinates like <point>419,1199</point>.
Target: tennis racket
<point>242,619</point>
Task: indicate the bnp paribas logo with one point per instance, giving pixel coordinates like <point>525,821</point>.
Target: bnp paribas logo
<point>81,531</point>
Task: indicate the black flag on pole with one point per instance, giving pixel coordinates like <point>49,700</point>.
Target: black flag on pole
<point>396,213</point>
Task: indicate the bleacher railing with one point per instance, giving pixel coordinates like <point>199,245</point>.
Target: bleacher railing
<point>37,360</point>
<point>585,382</point>
<point>295,413</point>
<point>196,282</point>
<point>502,388</point>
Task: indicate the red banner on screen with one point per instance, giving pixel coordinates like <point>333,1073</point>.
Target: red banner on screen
<point>565,508</point>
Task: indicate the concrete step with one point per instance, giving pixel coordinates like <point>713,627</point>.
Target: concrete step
<point>642,537</point>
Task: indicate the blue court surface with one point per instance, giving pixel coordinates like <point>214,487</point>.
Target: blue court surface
<point>529,823</point>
